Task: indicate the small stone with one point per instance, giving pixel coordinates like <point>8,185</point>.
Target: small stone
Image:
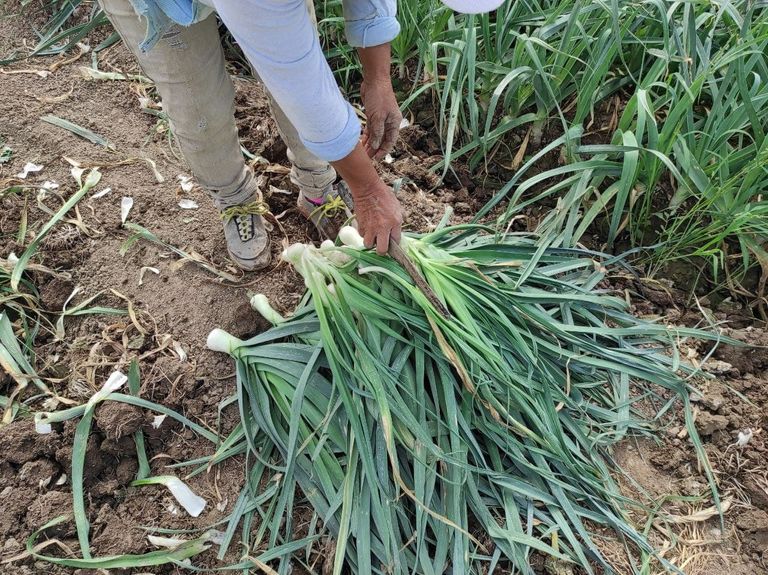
<point>11,545</point>
<point>691,486</point>
<point>707,423</point>
<point>753,521</point>
<point>714,402</point>
<point>717,367</point>
<point>729,306</point>
<point>758,495</point>
<point>463,207</point>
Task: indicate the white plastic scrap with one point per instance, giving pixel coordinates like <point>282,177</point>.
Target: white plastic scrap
<point>185,182</point>
<point>180,351</point>
<point>744,437</point>
<point>188,499</point>
<point>404,123</point>
<point>146,269</point>
<point>187,204</point>
<point>41,425</point>
<point>28,168</point>
<point>125,208</point>
<point>101,194</point>
<point>49,185</point>
<point>43,428</point>
<point>157,421</point>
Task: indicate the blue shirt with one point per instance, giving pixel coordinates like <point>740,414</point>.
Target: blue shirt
<point>279,39</point>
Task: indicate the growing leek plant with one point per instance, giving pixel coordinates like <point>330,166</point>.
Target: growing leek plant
<point>657,111</point>
<point>438,444</point>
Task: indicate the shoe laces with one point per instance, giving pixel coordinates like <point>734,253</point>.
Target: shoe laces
<point>243,216</point>
<point>329,208</point>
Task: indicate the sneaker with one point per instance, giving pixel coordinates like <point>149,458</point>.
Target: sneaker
<point>329,212</point>
<point>246,235</point>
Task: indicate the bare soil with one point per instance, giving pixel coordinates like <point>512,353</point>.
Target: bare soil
<point>182,303</point>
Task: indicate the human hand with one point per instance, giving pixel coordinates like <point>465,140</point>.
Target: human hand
<point>383,117</point>
<point>379,215</point>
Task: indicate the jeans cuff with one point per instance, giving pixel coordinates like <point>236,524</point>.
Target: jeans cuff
<point>242,191</point>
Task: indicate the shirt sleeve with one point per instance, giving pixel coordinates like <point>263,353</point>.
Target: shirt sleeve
<point>279,39</point>
<point>370,22</point>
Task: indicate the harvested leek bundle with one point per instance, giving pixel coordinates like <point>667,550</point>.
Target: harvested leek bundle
<point>429,444</point>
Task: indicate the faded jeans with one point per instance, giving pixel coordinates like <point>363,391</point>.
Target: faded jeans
<point>187,66</point>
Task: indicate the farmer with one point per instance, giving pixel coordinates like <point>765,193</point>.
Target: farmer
<point>177,45</point>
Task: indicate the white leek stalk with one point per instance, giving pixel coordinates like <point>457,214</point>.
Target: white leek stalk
<point>260,303</point>
<point>220,340</point>
<point>211,536</point>
<point>113,383</point>
<point>350,237</point>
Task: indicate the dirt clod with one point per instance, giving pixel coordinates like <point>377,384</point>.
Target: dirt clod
<point>753,521</point>
<point>757,492</point>
<point>126,470</point>
<point>15,503</point>
<point>38,473</point>
<point>118,420</point>
<point>713,402</point>
<point>54,293</point>
<point>754,530</point>
<point>707,423</point>
<point>20,443</point>
<point>49,506</point>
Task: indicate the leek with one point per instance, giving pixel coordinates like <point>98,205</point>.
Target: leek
<point>419,439</point>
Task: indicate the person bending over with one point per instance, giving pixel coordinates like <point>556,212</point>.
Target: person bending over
<point>177,45</point>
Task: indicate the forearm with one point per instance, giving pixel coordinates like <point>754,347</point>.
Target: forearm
<point>358,172</point>
<point>376,63</point>
<point>379,215</point>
